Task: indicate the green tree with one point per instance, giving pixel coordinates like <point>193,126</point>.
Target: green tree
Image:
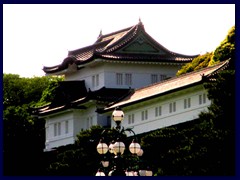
<point>225,51</point>
<point>23,135</point>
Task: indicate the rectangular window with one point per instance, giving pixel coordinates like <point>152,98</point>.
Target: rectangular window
<point>144,115</point>
<point>59,128</point>
<point>160,110</point>
<point>187,103</point>
<point>66,127</point>
<point>93,81</point>
<point>119,78</point>
<point>89,122</point>
<point>204,98</point>
<point>55,129</point>
<point>156,111</point>
<point>162,77</point>
<point>97,80</point>
<point>131,119</point>
<point>172,107</point>
<point>200,99</point>
<point>154,78</point>
<point>128,79</point>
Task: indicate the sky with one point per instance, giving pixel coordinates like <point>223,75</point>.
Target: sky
<point>37,35</point>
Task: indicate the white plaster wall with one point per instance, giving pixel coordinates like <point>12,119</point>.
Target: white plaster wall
<point>64,138</point>
<point>166,119</point>
<point>141,74</point>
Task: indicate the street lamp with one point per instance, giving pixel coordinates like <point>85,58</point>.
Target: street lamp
<point>116,150</point>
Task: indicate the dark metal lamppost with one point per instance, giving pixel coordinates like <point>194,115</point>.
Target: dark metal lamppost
<point>116,148</point>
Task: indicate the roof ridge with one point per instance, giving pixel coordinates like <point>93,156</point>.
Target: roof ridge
<point>116,32</point>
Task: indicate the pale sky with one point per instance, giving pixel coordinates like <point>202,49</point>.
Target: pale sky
<point>41,35</point>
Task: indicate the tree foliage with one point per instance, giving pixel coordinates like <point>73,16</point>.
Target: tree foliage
<point>23,135</point>
<point>225,51</point>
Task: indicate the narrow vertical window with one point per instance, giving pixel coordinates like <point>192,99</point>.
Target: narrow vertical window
<point>162,77</point>
<point>156,111</point>
<point>185,103</point>
<point>132,118</point>
<point>142,115</point>
<point>129,119</point>
<point>59,128</point>
<point>55,129</point>
<point>204,98</point>
<point>174,106</point>
<point>189,102</point>
<point>90,122</point>
<point>97,80</point>
<point>170,108</point>
<point>160,110</point>
<point>93,81</point>
<point>154,78</point>
<point>146,114</point>
<point>119,79</point>
<point>128,79</point>
<point>66,127</point>
<point>200,99</point>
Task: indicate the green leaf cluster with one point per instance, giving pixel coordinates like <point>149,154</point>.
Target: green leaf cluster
<point>225,51</point>
<point>23,135</point>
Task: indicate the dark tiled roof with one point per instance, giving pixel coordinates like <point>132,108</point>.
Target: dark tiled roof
<point>73,94</point>
<point>107,45</point>
<point>169,85</point>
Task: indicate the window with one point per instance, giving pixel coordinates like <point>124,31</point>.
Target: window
<point>162,77</point>
<point>144,115</point>
<point>131,119</point>
<point>172,107</point>
<point>66,127</point>
<point>158,111</point>
<point>187,103</point>
<point>89,122</point>
<point>59,128</point>
<point>128,79</point>
<point>202,98</point>
<point>119,79</point>
<point>154,78</point>
<point>55,129</point>
<point>95,80</point>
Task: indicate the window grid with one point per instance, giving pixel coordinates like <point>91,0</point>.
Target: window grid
<point>59,128</point>
<point>128,79</point>
<point>172,107</point>
<point>66,127</point>
<point>158,111</point>
<point>154,78</point>
<point>119,79</point>
<point>144,115</point>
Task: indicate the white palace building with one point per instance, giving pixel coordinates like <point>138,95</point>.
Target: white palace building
<point>126,69</point>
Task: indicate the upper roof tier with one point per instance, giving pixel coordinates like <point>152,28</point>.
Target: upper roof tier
<point>130,44</point>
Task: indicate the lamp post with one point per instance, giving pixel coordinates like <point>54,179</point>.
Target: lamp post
<point>116,150</point>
